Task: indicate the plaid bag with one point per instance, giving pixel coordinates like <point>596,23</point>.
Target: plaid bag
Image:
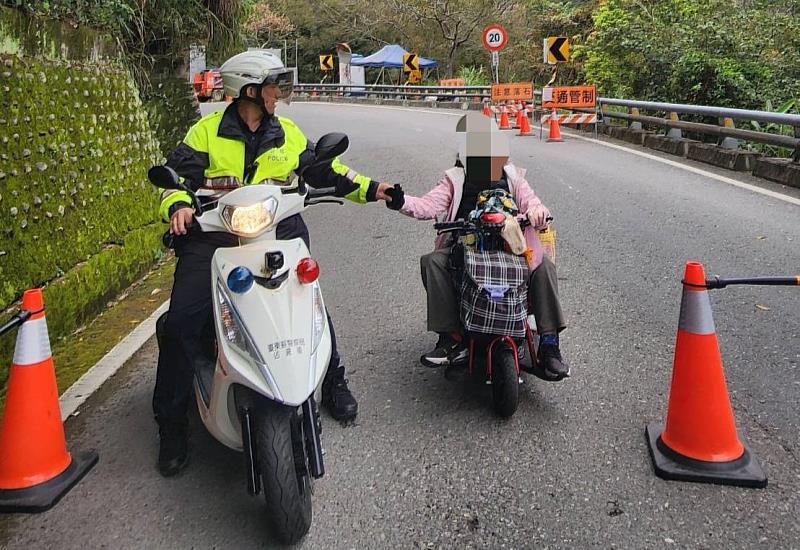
<point>494,293</point>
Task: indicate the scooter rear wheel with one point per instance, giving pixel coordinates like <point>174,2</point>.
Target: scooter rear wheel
<point>286,484</point>
<point>505,382</point>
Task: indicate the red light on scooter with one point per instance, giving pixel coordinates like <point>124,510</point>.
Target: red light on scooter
<point>307,270</point>
<point>493,217</point>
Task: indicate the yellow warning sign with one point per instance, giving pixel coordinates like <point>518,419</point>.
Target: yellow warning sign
<point>556,49</point>
<point>410,62</point>
<point>326,62</point>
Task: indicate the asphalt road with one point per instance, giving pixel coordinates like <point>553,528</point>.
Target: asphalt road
<point>428,464</point>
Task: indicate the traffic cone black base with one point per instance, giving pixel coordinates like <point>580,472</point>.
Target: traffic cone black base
<point>745,471</point>
<point>42,497</point>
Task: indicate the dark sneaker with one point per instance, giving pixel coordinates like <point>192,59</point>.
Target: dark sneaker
<point>173,452</point>
<point>551,361</point>
<point>446,352</point>
<point>336,397</point>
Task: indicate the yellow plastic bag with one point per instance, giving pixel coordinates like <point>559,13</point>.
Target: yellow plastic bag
<point>548,239</point>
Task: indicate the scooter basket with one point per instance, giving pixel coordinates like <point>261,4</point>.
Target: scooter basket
<point>494,293</point>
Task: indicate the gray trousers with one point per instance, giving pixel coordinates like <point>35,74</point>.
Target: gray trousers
<point>443,300</point>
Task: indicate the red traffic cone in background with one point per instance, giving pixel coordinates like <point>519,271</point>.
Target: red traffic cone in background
<point>486,110</point>
<point>699,442</point>
<point>35,468</point>
<point>524,124</point>
<point>504,119</point>
<point>555,131</point>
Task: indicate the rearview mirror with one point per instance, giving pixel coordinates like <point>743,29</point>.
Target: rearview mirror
<point>165,178</point>
<point>331,146</point>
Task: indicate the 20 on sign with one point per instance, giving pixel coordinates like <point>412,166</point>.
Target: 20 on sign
<point>494,37</point>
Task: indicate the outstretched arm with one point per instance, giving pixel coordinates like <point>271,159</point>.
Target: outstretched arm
<point>427,207</point>
<point>348,183</point>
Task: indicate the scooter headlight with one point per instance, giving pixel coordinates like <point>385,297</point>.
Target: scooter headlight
<point>249,221</point>
<point>232,327</point>
<point>319,318</point>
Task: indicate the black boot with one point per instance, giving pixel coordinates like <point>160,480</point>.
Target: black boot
<point>336,397</point>
<point>173,452</point>
<point>552,362</point>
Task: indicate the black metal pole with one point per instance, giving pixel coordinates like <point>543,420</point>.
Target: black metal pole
<point>15,321</point>
<point>720,282</point>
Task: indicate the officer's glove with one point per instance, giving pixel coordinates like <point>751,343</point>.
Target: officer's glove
<point>397,195</point>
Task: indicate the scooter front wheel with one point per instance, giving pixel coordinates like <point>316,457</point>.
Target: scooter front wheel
<point>505,382</point>
<point>286,484</point>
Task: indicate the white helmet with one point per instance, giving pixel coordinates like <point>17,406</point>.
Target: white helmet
<point>258,67</point>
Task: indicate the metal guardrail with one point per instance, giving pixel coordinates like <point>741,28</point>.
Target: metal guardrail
<point>727,132</point>
<point>388,91</point>
<point>710,129</point>
<point>703,110</point>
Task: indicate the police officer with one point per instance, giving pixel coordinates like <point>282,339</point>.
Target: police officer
<point>244,144</point>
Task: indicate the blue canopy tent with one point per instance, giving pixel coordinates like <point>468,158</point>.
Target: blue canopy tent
<point>391,57</point>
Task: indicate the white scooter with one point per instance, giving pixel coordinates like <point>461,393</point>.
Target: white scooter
<point>256,391</point>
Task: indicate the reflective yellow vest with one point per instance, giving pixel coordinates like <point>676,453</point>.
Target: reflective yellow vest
<point>226,159</point>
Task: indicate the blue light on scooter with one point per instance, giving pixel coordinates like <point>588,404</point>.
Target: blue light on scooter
<point>240,279</point>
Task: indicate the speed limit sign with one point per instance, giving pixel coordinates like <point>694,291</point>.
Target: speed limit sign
<point>494,37</point>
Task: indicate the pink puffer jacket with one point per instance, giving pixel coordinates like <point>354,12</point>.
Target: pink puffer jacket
<point>442,203</point>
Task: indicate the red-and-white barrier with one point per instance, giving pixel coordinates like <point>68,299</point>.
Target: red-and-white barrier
<point>572,119</point>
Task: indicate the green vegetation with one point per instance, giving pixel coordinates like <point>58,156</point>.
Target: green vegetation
<point>721,52</point>
<point>475,76</point>
<point>149,30</point>
<point>73,355</point>
<point>724,52</point>
<point>711,52</point>
<point>76,212</point>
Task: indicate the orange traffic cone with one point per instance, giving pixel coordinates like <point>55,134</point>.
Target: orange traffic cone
<point>524,124</point>
<point>517,116</point>
<point>555,131</point>
<point>700,442</point>
<point>35,468</point>
<point>504,119</point>
<point>486,110</point>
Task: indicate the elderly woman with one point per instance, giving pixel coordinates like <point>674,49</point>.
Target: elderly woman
<point>483,165</point>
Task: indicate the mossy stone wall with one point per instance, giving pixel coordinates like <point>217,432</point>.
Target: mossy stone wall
<point>77,214</point>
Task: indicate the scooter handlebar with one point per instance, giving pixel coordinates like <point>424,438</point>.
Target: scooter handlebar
<point>446,227</point>
<point>321,192</point>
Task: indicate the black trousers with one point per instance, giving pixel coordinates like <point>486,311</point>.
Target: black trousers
<point>190,311</point>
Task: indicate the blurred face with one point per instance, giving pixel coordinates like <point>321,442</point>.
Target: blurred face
<point>482,147</point>
<point>484,169</point>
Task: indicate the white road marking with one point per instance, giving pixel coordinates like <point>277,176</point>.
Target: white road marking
<point>694,170</point>
<point>111,362</point>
